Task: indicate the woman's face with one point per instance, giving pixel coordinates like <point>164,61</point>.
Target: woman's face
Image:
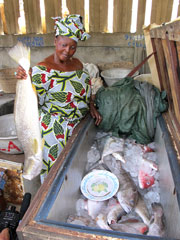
<point>65,48</point>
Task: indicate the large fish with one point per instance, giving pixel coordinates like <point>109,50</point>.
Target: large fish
<point>80,220</point>
<point>101,221</point>
<point>115,213</point>
<point>142,211</point>
<point>127,194</point>
<point>95,207</point>
<point>157,227</point>
<point>130,226</point>
<point>26,115</point>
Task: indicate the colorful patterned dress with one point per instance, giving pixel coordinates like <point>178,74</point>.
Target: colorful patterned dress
<point>63,102</point>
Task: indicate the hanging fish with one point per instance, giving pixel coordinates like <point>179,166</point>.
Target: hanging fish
<point>26,115</point>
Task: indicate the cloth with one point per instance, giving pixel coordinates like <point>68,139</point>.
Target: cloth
<point>155,103</point>
<point>63,102</point>
<point>96,81</point>
<point>71,26</point>
<point>124,110</point>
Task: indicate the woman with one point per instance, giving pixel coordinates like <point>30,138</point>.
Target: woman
<point>63,89</point>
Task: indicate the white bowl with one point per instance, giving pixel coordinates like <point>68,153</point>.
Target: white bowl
<point>144,77</point>
<point>9,142</point>
<point>115,74</point>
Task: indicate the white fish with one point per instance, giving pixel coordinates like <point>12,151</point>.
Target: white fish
<point>142,210</point>
<point>157,227</point>
<point>95,207</point>
<point>80,220</point>
<point>114,146</point>
<point>130,226</point>
<point>26,115</point>
<point>115,213</point>
<point>127,194</point>
<point>101,221</point>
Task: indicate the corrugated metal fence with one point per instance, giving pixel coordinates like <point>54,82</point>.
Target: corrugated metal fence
<point>97,14</point>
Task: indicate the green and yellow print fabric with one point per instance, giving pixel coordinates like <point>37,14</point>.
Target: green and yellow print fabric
<point>63,102</point>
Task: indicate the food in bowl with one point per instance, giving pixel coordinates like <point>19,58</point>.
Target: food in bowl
<point>9,142</point>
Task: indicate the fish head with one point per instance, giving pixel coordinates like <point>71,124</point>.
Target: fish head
<point>157,210</point>
<point>128,198</point>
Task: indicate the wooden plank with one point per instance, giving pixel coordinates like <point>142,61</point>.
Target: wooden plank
<point>52,9</point>
<point>122,15</point>
<point>162,69</point>
<point>1,19</point>
<point>98,16</point>
<point>171,28</point>
<point>161,11</point>
<point>32,16</point>
<point>13,158</point>
<point>174,130</point>
<point>178,13</point>
<point>94,12</point>
<point>117,16</point>
<point>178,55</point>
<point>103,15</point>
<point>76,7</point>
<point>127,14</point>
<point>141,15</point>
<point>153,63</point>
<point>11,10</point>
<point>155,8</point>
<point>166,10</point>
<point>57,7</point>
<point>175,87</point>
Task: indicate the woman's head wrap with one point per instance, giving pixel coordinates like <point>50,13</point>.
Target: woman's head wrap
<point>70,26</point>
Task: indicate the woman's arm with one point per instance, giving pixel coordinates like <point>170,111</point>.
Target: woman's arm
<point>93,111</point>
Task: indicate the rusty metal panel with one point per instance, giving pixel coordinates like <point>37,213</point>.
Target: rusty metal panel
<point>52,9</point>
<point>141,14</point>
<point>122,15</point>
<point>161,11</point>
<point>11,9</point>
<point>32,16</point>
<point>98,15</point>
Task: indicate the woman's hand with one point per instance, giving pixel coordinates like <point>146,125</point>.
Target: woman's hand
<point>21,73</point>
<point>93,111</point>
<point>95,114</point>
<point>4,235</point>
